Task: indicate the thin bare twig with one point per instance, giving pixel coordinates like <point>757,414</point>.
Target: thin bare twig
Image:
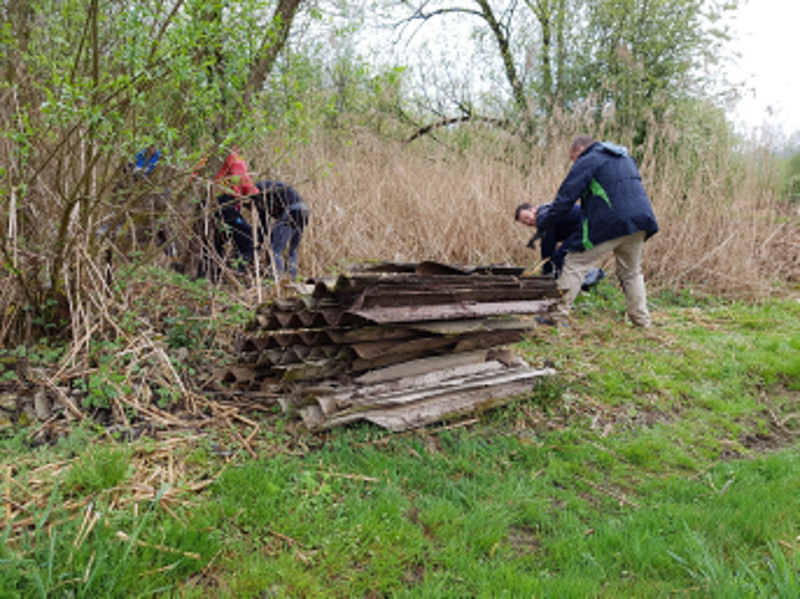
<point>621,498</point>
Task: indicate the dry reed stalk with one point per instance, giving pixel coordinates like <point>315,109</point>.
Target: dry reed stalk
<point>90,519</point>
<point>621,497</point>
<point>286,538</point>
<point>358,477</point>
<point>127,539</point>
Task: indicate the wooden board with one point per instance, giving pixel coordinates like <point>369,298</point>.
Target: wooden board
<point>404,314</point>
<point>416,402</point>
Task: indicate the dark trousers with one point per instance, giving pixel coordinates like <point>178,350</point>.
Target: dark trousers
<point>557,252</point>
<point>287,230</point>
<point>237,227</point>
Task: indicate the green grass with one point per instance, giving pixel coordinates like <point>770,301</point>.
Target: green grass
<point>658,463</point>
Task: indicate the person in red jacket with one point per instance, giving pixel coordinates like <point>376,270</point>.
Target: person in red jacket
<point>236,183</point>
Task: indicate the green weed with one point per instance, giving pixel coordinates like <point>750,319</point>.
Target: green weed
<point>100,467</point>
<point>656,463</point>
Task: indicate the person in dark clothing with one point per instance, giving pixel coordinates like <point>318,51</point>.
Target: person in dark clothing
<point>283,216</point>
<point>236,183</point>
<point>557,241</point>
<point>616,216</point>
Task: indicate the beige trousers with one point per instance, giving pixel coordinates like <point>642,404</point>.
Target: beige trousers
<point>628,254</point>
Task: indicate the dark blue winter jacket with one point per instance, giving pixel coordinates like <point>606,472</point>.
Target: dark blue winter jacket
<point>559,239</point>
<point>613,200</point>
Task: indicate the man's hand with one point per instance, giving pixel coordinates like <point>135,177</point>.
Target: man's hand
<point>532,242</point>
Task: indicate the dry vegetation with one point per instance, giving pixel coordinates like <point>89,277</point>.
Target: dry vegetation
<point>449,196</point>
<point>727,232</point>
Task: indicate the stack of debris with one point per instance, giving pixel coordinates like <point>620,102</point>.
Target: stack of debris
<point>396,346</point>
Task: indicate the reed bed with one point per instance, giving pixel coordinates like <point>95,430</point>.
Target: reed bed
<point>727,231</point>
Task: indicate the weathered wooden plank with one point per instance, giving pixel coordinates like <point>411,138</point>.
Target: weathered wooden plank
<point>405,314</point>
<point>419,367</point>
<point>375,349</point>
<point>369,399</point>
<point>474,325</point>
<point>427,407</point>
<point>332,400</point>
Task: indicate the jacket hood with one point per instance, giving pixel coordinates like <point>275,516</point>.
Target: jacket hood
<point>612,148</point>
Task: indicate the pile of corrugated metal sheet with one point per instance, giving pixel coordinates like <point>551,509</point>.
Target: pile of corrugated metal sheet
<point>399,345</point>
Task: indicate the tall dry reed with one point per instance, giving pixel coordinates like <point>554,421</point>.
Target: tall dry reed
<point>449,196</point>
<point>725,230</point>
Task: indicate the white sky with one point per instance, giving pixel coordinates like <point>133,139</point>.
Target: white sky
<point>768,43</point>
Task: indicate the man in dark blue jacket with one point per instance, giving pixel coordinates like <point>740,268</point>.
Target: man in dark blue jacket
<point>557,241</point>
<point>616,216</point>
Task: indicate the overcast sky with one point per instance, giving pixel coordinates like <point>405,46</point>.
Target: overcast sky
<point>766,35</point>
<point>769,41</point>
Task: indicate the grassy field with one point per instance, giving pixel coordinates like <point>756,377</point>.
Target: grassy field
<point>654,464</point>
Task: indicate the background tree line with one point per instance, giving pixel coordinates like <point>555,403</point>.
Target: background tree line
<point>87,83</point>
